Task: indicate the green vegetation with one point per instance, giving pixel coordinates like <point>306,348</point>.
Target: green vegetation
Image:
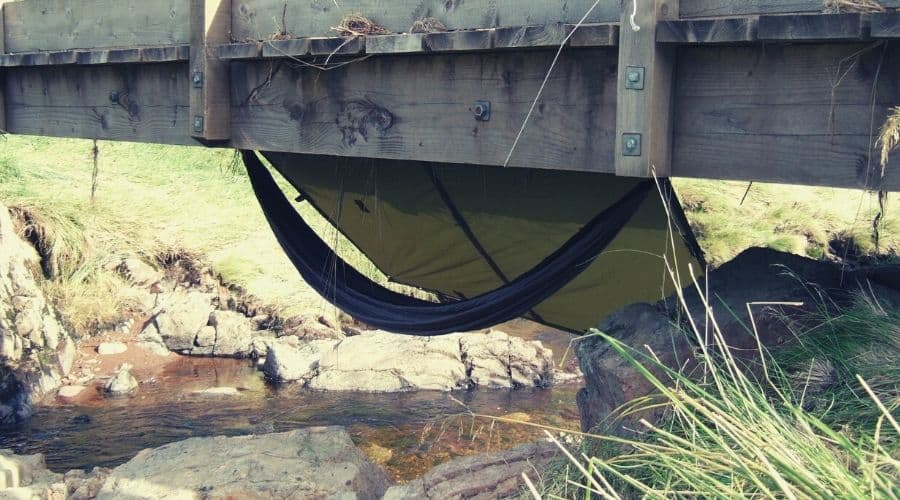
<point>818,421</point>
<point>801,220</point>
<point>152,201</point>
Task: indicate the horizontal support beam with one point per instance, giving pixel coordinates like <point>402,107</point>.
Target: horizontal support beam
<point>168,53</point>
<point>521,37</point>
<point>771,29</point>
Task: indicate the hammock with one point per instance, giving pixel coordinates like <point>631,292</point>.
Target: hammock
<point>377,306</point>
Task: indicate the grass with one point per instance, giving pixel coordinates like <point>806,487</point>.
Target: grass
<point>811,221</point>
<point>733,432</point>
<point>151,201</point>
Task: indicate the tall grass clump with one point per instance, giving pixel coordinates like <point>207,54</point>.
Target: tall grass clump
<point>735,430</point>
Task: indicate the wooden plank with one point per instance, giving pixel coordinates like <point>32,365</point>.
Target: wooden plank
<point>335,46</point>
<point>708,31</point>
<point>229,51</point>
<point>396,44</point>
<point>724,8</point>
<point>459,41</point>
<point>209,87</point>
<point>819,27</point>
<point>545,35</point>
<point>258,19</point>
<point>75,101</point>
<point>795,114</point>
<point>2,73</point>
<point>170,53</point>
<point>643,114</point>
<point>886,25</point>
<point>297,47</point>
<point>421,107</point>
<point>595,35</point>
<point>36,25</point>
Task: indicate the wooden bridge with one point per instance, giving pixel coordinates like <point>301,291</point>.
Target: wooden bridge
<point>764,90</point>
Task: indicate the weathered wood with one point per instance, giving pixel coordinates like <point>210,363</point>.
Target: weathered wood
<point>708,31</point>
<point>172,53</point>
<point>421,107</point>
<point>459,41</point>
<point>2,73</point>
<point>812,27</point>
<point>886,25</point>
<point>643,113</point>
<point>396,44</point>
<point>210,88</point>
<point>723,8</point>
<point>151,102</point>
<point>36,25</point>
<point>335,46</point>
<point>545,35</point>
<point>595,35</point>
<point>250,50</point>
<point>797,114</point>
<point>258,19</point>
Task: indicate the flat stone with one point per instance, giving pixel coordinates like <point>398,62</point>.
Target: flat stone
<point>316,462</point>
<point>70,391</point>
<point>109,348</point>
<point>219,391</point>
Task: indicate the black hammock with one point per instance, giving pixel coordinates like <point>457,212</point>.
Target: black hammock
<point>377,306</point>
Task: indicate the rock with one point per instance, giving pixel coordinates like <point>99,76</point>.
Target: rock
<point>150,340</point>
<point>234,334</point>
<point>138,272</point>
<point>756,275</point>
<point>488,476</point>
<point>498,360</point>
<point>377,361</point>
<point>82,486</point>
<point>610,380</point>
<point>317,462</point>
<point>70,391</point>
<point>110,348</point>
<point>35,350</point>
<point>286,362</point>
<point>27,477</point>
<point>309,327</point>
<point>123,382</point>
<point>181,317</point>
<point>219,391</point>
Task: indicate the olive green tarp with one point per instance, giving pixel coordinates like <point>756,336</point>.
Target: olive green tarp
<point>462,230</point>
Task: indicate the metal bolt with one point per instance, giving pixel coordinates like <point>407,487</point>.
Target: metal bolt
<point>198,124</point>
<point>482,110</point>
<point>197,79</point>
<point>114,97</point>
<point>634,78</point>
<point>631,144</point>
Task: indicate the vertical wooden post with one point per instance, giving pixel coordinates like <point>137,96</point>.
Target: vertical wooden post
<point>210,80</point>
<point>643,114</point>
<point>2,76</point>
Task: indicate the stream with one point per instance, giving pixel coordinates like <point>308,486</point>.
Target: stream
<point>407,433</point>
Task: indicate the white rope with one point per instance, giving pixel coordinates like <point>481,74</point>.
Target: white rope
<point>634,25</point>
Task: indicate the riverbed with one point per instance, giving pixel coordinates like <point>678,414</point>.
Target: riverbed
<point>407,433</point>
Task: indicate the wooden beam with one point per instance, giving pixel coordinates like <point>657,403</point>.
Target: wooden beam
<point>129,102</point>
<point>36,25</point>
<point>643,114</point>
<point>708,31</point>
<point>2,73</point>
<point>258,19</point>
<point>422,107</point>
<point>725,8</point>
<point>785,113</point>
<point>886,25</point>
<point>820,27</point>
<point>210,83</point>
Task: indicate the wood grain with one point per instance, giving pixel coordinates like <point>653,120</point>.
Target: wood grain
<point>778,114</point>
<point>886,25</point>
<point>258,19</point>
<point>818,27</point>
<point>2,73</point>
<point>74,101</point>
<point>421,107</point>
<point>210,102</point>
<point>708,31</point>
<point>38,25</point>
<point>722,8</point>
<point>645,112</point>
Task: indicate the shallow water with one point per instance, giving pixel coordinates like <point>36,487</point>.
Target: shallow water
<point>408,432</point>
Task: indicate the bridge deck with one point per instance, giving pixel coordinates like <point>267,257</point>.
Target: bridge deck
<point>764,90</point>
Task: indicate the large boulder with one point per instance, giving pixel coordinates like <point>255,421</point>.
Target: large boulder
<point>377,361</point>
<point>770,284</point>
<point>318,462</point>
<point>234,334</point>
<point>36,352</point>
<point>181,316</point>
<point>482,477</point>
<point>27,476</point>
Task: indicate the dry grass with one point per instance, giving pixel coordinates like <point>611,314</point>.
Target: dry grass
<point>889,137</point>
<point>427,25</point>
<point>357,24</point>
<point>838,6</point>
